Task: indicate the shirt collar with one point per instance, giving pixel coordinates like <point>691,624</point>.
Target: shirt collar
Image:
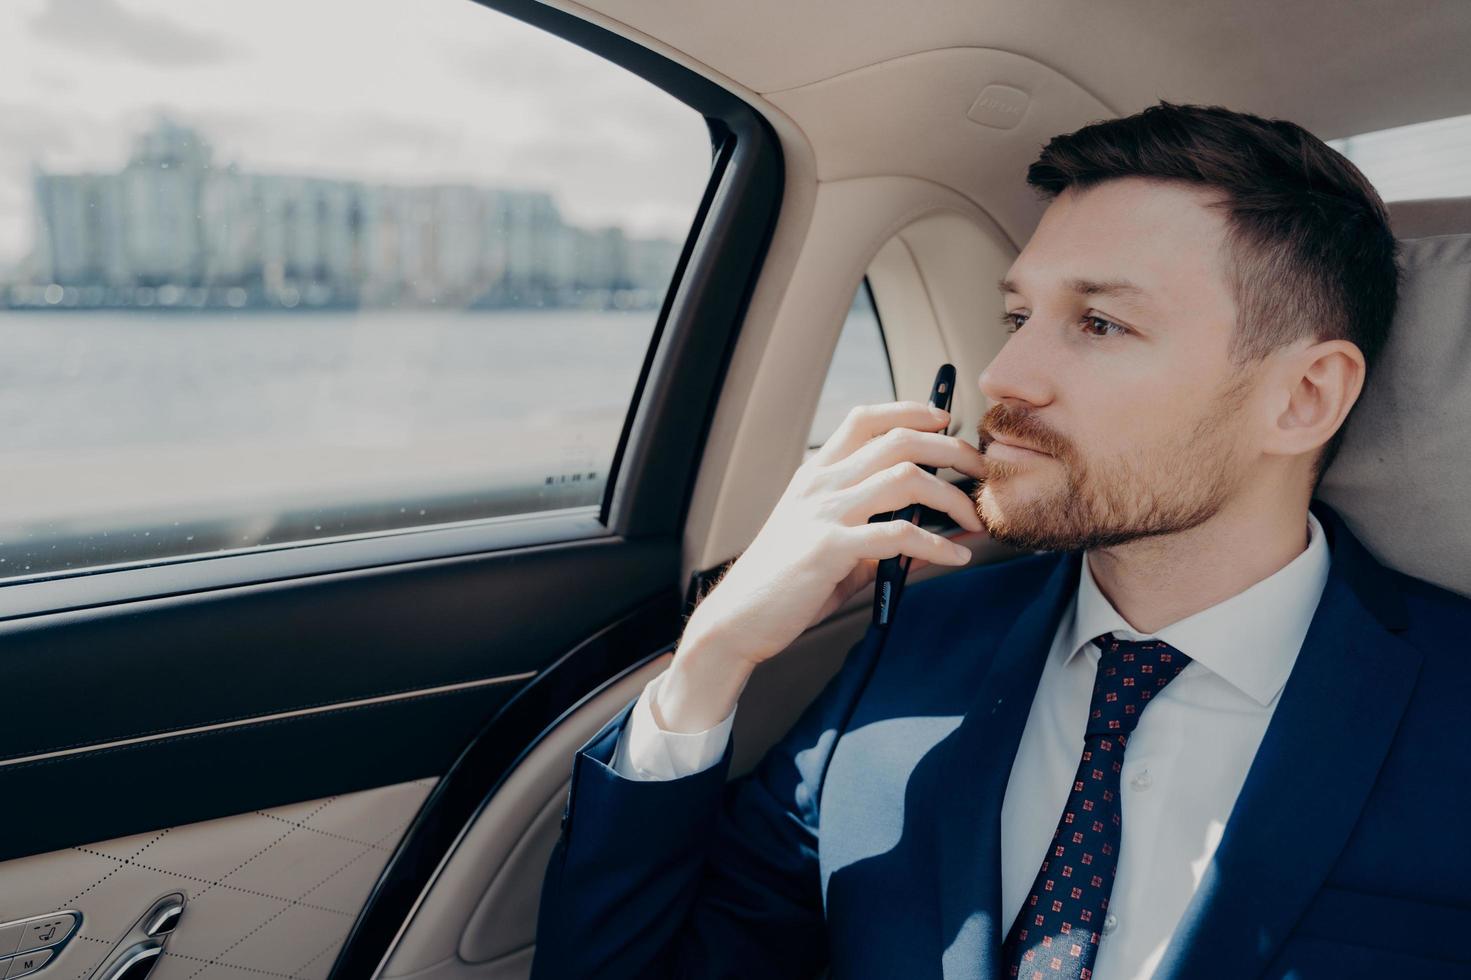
<point>1251,639</point>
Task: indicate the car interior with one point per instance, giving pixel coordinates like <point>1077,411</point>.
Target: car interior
<point>351,760</point>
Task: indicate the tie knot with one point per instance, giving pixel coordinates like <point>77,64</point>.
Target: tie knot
<point>1130,672</point>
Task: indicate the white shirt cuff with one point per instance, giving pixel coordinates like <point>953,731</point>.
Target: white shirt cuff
<point>647,751</point>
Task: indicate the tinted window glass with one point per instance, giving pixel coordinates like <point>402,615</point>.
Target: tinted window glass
<point>859,371</point>
<point>1406,163</point>
<point>274,273</point>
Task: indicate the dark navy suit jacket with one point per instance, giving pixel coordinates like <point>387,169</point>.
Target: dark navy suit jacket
<point>869,835</point>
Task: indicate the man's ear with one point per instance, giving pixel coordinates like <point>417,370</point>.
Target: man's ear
<point>1319,384</point>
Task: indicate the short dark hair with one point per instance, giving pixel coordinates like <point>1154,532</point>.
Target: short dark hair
<point>1308,250</point>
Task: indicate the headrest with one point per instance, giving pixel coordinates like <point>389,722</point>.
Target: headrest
<point>1402,477</point>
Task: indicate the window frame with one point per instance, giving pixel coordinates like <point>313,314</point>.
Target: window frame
<point>650,480</point>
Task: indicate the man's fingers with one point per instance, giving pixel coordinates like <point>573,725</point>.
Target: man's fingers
<point>864,422</point>
<point>903,484</point>
<point>889,539</point>
<point>906,445</point>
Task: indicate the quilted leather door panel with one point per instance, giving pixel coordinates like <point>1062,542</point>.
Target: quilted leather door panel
<point>271,893</point>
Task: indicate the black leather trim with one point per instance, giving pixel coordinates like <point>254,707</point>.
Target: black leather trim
<point>82,678</point>
<point>130,789</point>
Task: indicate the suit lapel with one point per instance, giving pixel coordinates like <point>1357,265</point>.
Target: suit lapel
<point>1312,773</point>
<point>973,774</point>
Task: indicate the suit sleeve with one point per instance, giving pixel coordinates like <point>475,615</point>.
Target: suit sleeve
<point>696,877</point>
<point>647,751</point>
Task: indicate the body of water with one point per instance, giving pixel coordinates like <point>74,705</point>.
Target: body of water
<point>128,435</point>
<point>73,381</point>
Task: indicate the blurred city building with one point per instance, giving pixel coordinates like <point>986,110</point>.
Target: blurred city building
<point>173,229</point>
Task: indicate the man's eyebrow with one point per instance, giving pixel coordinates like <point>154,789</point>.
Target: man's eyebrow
<point>1089,287</point>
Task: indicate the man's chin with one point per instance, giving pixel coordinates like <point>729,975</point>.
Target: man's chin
<point>1011,499</point>
<point>1031,537</point>
<point>1019,521</point>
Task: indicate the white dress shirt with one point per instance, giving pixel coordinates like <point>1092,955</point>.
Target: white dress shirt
<point>1183,768</point>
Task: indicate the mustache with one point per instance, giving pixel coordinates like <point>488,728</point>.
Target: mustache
<point>1018,427</point>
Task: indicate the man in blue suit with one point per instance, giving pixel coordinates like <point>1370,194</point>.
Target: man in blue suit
<point>1203,733</point>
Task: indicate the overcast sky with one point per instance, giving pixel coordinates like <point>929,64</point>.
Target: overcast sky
<point>383,90</point>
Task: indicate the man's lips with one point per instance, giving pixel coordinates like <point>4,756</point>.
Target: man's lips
<point>1014,444</point>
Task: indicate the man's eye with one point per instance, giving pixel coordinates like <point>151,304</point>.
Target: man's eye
<point>1098,319</point>
<point>1009,321</point>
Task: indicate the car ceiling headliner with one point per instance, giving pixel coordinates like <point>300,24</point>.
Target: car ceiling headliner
<point>1336,68</point>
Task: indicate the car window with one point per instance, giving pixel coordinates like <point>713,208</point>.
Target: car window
<point>859,372</point>
<point>1430,159</point>
<point>277,273</point>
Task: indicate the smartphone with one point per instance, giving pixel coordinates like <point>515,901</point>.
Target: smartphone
<point>892,571</point>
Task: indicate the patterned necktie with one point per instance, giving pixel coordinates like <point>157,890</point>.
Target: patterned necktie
<point>1057,931</point>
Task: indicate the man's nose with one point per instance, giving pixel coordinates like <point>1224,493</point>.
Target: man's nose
<point>1019,371</point>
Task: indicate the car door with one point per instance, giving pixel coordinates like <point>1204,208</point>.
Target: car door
<point>295,570</point>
